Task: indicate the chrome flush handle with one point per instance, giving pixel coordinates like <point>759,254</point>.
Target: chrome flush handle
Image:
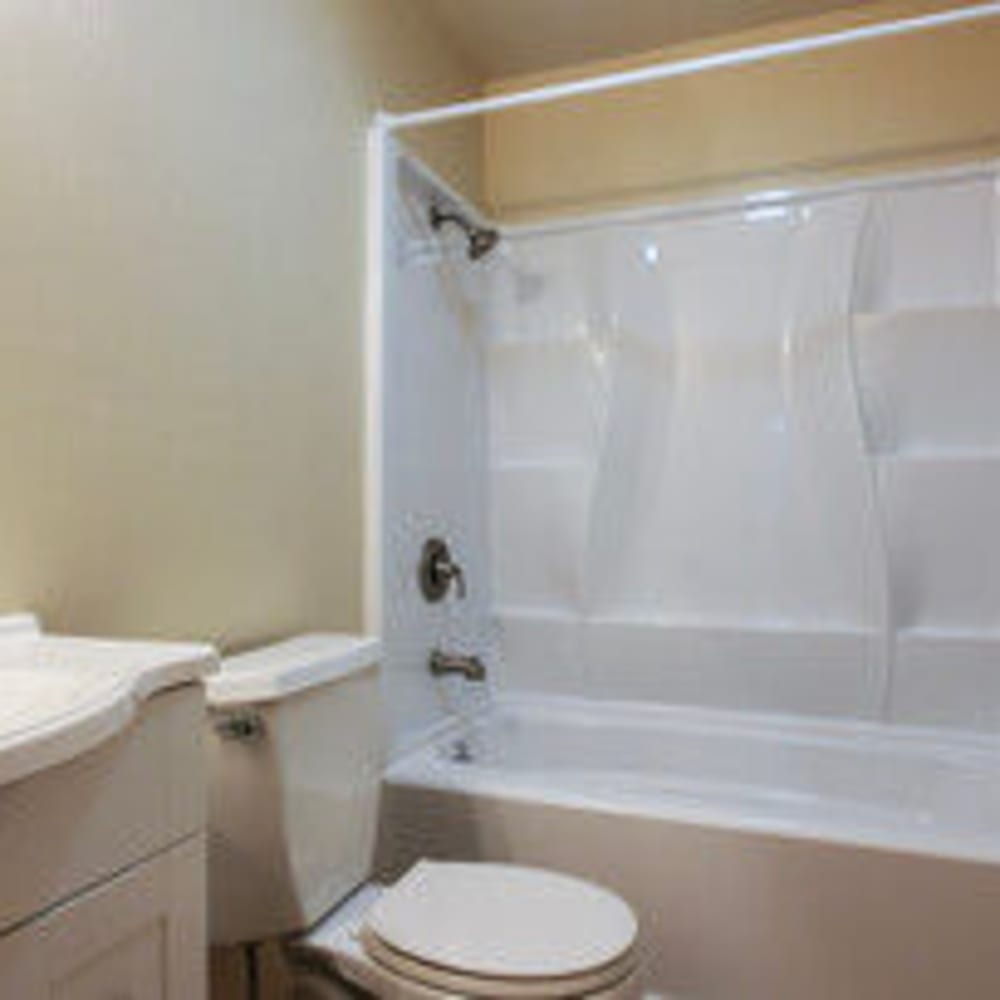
<point>242,727</point>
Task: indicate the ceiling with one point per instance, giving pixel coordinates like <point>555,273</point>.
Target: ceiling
<point>507,37</point>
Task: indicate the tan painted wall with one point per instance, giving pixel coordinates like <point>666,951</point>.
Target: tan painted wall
<point>181,238</point>
<point>886,104</point>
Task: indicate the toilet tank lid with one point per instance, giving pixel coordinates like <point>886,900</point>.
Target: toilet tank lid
<point>278,671</point>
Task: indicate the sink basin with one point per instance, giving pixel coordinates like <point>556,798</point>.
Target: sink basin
<point>62,696</point>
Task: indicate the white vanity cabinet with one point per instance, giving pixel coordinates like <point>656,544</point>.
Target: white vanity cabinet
<point>102,849</point>
<point>138,936</point>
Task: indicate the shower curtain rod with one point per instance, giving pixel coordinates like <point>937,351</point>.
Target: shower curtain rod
<point>685,67</point>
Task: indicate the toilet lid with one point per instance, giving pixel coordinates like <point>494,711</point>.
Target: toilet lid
<point>502,921</point>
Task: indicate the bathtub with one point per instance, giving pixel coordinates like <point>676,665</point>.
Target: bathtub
<point>768,858</point>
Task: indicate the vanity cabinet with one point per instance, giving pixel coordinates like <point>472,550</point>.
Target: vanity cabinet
<point>137,936</point>
<point>102,859</point>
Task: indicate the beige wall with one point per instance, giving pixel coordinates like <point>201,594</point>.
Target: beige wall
<point>886,104</point>
<point>181,238</point>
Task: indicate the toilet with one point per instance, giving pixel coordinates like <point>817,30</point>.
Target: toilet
<point>296,755</point>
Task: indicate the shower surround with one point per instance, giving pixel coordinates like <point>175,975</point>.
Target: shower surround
<point>722,481</point>
<point>739,455</point>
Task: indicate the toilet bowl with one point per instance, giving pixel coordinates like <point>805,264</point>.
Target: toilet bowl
<point>296,764</point>
<point>478,930</point>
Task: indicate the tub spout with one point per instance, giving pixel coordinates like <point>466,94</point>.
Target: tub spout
<point>470,667</point>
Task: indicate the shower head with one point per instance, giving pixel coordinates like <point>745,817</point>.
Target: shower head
<point>481,239</point>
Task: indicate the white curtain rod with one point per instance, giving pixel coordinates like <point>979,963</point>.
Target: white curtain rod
<point>686,67</point>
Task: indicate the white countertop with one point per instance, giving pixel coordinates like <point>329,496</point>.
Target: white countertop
<point>61,696</point>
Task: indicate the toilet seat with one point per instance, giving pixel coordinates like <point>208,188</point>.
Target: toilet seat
<point>492,930</point>
<point>477,931</point>
<point>445,982</point>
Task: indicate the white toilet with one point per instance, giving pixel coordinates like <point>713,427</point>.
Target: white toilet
<point>296,756</point>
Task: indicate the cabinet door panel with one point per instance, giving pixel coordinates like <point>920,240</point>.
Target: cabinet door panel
<point>140,936</point>
<point>75,825</point>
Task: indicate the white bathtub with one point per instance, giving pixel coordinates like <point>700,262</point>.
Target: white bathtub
<point>768,858</point>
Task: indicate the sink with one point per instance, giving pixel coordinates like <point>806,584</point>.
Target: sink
<point>102,816</point>
<point>28,694</point>
<point>62,696</point>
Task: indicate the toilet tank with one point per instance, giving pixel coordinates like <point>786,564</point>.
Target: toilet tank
<point>295,763</point>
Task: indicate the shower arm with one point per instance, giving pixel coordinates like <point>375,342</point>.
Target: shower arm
<point>440,217</point>
<point>481,239</point>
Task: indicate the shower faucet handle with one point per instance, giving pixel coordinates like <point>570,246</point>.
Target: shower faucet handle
<point>438,571</point>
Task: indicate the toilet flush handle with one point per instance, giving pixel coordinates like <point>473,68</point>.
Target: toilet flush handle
<point>240,727</point>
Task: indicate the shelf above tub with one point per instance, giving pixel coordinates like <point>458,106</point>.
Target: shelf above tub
<point>944,635</point>
<point>547,463</point>
<point>946,457</point>
<point>569,342</point>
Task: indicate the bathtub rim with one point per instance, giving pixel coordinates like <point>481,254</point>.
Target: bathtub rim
<point>422,766</point>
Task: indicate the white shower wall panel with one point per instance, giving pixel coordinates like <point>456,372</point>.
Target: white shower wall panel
<point>745,457</point>
<point>930,246</point>
<point>713,473</point>
<point>435,468</point>
<point>930,379</point>
<point>748,457</point>
<point>944,549</point>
